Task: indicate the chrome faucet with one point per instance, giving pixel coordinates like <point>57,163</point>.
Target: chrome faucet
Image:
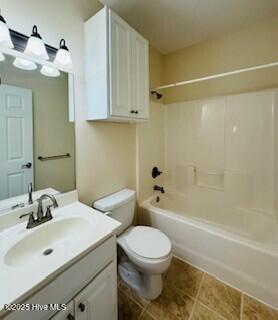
<point>41,218</point>
<point>30,190</point>
<point>157,188</point>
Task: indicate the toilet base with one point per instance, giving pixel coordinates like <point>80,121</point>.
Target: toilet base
<point>148,286</point>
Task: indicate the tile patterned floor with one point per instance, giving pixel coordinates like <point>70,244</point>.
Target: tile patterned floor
<point>190,294</point>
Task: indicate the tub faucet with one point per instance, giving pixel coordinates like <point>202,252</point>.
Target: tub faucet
<point>157,188</point>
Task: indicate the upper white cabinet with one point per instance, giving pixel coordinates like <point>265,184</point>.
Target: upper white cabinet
<point>116,69</point>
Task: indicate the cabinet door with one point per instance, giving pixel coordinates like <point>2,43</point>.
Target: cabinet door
<point>98,301</point>
<point>67,314</point>
<point>140,74</point>
<point>120,66</point>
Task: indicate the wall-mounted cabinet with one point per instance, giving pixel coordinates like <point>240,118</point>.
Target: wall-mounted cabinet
<point>116,69</point>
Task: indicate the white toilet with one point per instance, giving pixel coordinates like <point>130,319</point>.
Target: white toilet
<point>145,252</point>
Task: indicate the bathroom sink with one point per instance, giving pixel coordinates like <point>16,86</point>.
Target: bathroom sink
<point>31,258</point>
<point>43,242</point>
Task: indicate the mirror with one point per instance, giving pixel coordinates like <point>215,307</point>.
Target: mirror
<point>37,138</point>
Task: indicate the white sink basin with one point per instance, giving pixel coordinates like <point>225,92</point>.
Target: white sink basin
<point>41,243</point>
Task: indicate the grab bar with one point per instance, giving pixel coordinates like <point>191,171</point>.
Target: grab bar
<point>60,156</point>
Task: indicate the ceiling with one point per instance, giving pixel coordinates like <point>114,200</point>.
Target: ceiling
<point>170,25</point>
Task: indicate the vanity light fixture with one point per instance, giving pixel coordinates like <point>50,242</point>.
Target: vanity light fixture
<point>5,37</point>
<point>63,58</point>
<point>50,72</point>
<point>35,46</point>
<point>2,57</point>
<point>24,64</point>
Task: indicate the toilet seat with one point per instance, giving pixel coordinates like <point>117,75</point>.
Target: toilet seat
<point>147,242</point>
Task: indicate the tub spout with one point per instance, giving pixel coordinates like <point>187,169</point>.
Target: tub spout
<point>157,188</point>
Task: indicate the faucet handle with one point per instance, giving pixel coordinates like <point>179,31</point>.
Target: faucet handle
<point>26,215</point>
<point>48,212</point>
<point>156,172</point>
<point>31,220</point>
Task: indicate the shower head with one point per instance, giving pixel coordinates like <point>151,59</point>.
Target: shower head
<point>158,95</point>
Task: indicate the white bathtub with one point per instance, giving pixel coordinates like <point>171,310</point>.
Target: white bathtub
<point>239,247</point>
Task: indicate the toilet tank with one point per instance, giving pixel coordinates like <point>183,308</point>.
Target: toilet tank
<point>119,206</point>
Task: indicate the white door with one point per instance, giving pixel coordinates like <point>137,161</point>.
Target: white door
<point>16,141</point>
<point>67,314</point>
<point>120,66</point>
<point>140,71</point>
<point>98,301</point>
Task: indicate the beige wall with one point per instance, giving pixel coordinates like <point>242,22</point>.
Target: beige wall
<point>150,151</point>
<point>105,153</point>
<point>52,132</point>
<point>254,45</point>
<point>150,136</point>
<point>251,46</point>
<point>156,67</point>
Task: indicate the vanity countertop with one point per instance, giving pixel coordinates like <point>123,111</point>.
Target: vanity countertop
<point>22,200</point>
<point>75,230</point>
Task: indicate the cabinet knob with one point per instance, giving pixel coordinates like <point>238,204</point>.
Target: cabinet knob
<point>134,111</point>
<point>81,306</point>
<point>70,317</point>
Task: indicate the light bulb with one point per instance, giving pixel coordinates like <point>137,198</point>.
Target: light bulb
<point>5,37</point>
<point>35,46</point>
<point>63,58</point>
<point>49,71</point>
<point>24,64</point>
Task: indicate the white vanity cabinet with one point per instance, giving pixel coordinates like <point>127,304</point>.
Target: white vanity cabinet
<point>67,314</point>
<point>88,288</point>
<point>116,69</point>
<point>97,301</point>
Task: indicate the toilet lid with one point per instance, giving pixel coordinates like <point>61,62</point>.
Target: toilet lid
<point>148,242</point>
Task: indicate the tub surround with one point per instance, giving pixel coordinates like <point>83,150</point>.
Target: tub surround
<point>218,157</point>
<point>33,274</point>
<point>211,159</point>
<point>191,294</point>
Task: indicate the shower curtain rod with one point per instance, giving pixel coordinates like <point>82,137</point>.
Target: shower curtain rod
<point>218,75</point>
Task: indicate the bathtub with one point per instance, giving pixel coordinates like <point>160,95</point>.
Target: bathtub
<point>239,247</point>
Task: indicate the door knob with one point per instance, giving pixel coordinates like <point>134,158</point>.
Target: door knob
<point>81,306</point>
<point>27,165</point>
